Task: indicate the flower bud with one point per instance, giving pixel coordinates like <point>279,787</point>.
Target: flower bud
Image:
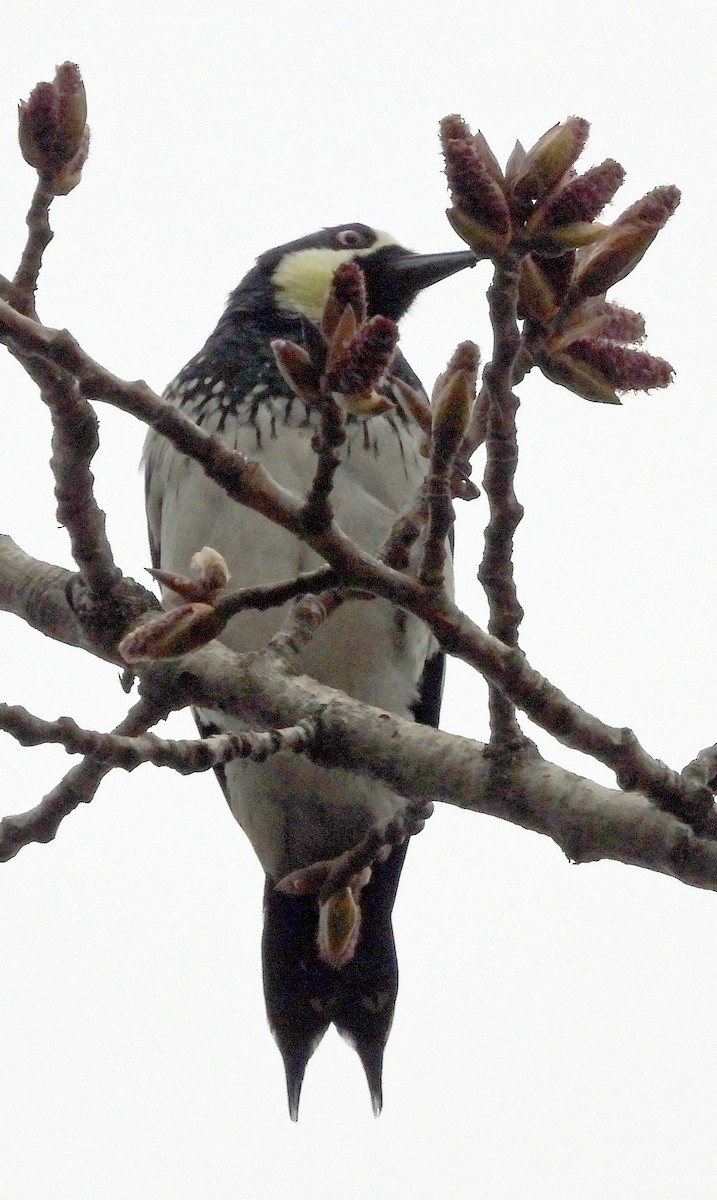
<point>622,324</point>
<point>551,156</point>
<point>173,633</point>
<point>348,287</point>
<point>454,129</point>
<point>209,574</point>
<point>538,298</point>
<point>210,569</point>
<point>485,155</point>
<point>296,368</point>
<point>480,213</point>
<point>597,370</point>
<point>580,199</point>
<point>363,362</point>
<point>414,402</point>
<point>52,128</point>
<point>552,242</point>
<point>578,377</point>
<point>345,329</point>
<point>483,241</point>
<point>595,320</point>
<point>68,176</point>
<point>626,369</point>
<point>339,927</point>
<point>514,164</point>
<point>362,404</point>
<point>543,286</point>
<point>619,252</point>
<point>465,358</point>
<point>452,406</point>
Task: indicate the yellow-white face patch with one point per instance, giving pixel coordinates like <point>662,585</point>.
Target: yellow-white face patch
<point>302,278</point>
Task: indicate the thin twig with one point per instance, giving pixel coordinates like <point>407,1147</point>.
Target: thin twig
<point>496,569</point>
<point>39,237</point>
<point>79,786</point>
<point>187,756</point>
<point>396,550</point>
<point>308,614</point>
<point>317,513</point>
<point>331,875</point>
<point>275,594</point>
<point>75,442</point>
<point>478,426</point>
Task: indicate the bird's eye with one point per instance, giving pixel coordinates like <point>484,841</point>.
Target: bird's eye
<point>349,238</point>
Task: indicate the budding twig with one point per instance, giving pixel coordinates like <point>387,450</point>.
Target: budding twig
<point>317,513</point>
<point>306,616</point>
<point>187,756</point>
<point>75,441</point>
<point>452,402</point>
<point>496,569</point>
<point>79,785</point>
<point>39,237</point>
<point>328,877</point>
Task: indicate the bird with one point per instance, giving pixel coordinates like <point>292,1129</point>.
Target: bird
<point>295,812</point>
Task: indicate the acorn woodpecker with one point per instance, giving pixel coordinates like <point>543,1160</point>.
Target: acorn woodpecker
<point>294,812</point>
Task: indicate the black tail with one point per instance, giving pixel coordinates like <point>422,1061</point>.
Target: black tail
<point>304,996</point>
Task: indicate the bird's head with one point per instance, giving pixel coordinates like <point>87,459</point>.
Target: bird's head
<point>294,278</point>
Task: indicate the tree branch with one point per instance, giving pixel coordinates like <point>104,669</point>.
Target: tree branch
<point>75,441</point>
<point>39,237</point>
<point>187,756</point>
<point>458,635</point>
<point>496,569</point>
<point>588,821</point>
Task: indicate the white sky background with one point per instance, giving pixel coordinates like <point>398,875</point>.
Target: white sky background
<point>555,1032</point>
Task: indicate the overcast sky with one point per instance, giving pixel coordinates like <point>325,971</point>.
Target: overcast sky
<point>555,1032</point>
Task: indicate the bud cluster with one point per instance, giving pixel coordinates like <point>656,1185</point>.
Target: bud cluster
<point>545,214</point>
<point>188,626</point>
<point>347,355</point>
<point>52,129</point>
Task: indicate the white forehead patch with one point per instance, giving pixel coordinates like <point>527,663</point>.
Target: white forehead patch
<point>303,277</point>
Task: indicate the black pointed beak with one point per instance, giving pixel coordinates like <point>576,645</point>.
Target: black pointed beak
<point>419,271</point>
<point>394,276</point>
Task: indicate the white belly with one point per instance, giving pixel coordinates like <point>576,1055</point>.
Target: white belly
<point>294,812</point>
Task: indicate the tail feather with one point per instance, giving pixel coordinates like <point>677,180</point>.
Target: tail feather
<point>304,996</point>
